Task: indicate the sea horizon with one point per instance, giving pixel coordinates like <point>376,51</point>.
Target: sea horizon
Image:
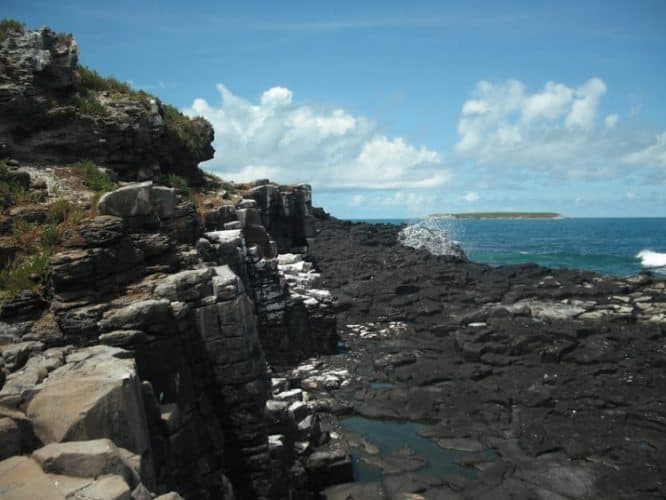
<point>604,245</point>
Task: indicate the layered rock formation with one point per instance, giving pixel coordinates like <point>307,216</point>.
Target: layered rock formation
<point>181,320</point>
<point>54,111</point>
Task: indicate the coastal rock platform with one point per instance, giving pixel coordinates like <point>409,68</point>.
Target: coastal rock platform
<point>538,383</point>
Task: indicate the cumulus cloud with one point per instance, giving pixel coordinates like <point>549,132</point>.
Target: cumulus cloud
<point>653,155</point>
<point>556,129</point>
<point>285,141</point>
<point>471,197</point>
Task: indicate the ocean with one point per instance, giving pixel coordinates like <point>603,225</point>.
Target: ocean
<point>612,246</point>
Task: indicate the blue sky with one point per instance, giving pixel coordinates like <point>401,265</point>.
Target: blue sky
<point>400,109</point>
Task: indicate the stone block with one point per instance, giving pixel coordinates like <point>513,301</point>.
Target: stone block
<point>93,458</point>
<point>163,200</point>
<point>128,201</point>
<point>22,478</point>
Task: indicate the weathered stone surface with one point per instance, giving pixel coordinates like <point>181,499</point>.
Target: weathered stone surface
<point>128,201</point>
<point>103,230</point>
<point>85,459</point>
<point>16,355</point>
<point>163,200</point>
<point>186,286</point>
<point>22,478</point>
<point>87,398</point>
<point>152,316</point>
<point>106,488</point>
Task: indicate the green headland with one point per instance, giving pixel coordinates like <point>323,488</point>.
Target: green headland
<point>501,215</point>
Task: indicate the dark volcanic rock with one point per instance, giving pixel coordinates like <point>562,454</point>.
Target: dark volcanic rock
<point>559,371</point>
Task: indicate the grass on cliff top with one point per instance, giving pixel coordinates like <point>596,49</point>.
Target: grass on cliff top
<point>7,25</point>
<point>184,128</point>
<point>92,80</point>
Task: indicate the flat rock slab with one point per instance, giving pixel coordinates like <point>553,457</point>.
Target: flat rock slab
<point>22,478</point>
<point>460,444</point>
<point>85,459</point>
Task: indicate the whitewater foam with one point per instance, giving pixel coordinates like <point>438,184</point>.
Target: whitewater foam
<point>429,236</point>
<point>652,260</point>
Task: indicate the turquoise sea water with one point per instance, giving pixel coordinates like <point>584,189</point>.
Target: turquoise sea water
<point>604,245</point>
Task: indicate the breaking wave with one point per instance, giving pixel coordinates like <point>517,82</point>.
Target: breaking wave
<point>652,260</point>
<point>428,235</point>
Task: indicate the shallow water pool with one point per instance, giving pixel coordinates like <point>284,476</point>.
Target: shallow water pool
<point>389,437</point>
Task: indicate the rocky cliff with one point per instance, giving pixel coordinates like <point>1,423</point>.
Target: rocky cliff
<point>156,341</point>
<point>144,330</point>
<point>54,111</point>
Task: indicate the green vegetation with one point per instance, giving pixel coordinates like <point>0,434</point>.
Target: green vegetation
<point>93,177</point>
<point>7,25</point>
<point>184,128</point>
<point>36,243</point>
<point>26,273</point>
<point>180,183</point>
<point>88,103</point>
<point>92,80</point>
<point>502,215</point>
<point>10,189</point>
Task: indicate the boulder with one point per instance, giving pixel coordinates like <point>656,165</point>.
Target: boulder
<point>128,201</point>
<point>22,478</point>
<point>96,394</point>
<point>93,458</point>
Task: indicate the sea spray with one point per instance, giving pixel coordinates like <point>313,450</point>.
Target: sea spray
<point>652,260</point>
<point>429,236</point>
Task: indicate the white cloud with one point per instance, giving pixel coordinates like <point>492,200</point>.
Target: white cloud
<point>630,195</point>
<point>329,148</point>
<point>556,129</point>
<point>611,120</point>
<point>584,105</point>
<point>471,197</point>
<point>653,155</point>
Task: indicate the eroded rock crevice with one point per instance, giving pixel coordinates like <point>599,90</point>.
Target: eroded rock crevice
<point>192,314</point>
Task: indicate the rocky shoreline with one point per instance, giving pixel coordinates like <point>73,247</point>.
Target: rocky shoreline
<point>236,343</point>
<point>560,372</point>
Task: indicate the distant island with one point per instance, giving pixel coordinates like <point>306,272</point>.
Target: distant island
<point>500,215</point>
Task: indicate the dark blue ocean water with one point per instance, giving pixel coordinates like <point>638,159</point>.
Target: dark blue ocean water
<point>604,245</point>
